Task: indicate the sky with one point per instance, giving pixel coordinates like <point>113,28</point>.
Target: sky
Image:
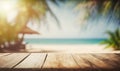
<point>72,23</point>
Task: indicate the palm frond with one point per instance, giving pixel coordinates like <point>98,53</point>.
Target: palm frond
<point>117,33</point>
<point>113,40</point>
<point>111,34</point>
<point>107,41</point>
<point>108,46</point>
<point>51,12</point>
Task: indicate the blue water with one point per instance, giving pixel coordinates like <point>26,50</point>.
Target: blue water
<point>63,41</point>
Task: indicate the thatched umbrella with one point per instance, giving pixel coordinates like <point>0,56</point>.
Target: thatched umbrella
<point>27,30</point>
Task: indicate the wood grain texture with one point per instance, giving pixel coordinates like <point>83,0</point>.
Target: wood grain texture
<point>4,54</point>
<point>35,60</point>
<point>97,63</point>
<point>11,60</point>
<point>60,61</point>
<point>80,61</point>
<point>110,59</point>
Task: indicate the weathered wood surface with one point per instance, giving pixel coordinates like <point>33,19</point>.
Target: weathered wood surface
<point>4,54</point>
<point>11,60</point>
<point>35,60</point>
<point>59,62</point>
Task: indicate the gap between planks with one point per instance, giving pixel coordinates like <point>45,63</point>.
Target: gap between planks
<point>35,60</point>
<point>11,60</point>
<point>54,60</point>
<point>60,60</point>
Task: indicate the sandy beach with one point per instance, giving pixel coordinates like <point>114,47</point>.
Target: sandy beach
<point>76,48</point>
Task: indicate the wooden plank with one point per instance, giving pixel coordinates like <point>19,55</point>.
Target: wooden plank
<point>4,54</point>
<point>35,60</point>
<point>97,63</point>
<point>11,60</point>
<point>109,58</point>
<point>80,61</point>
<point>117,55</point>
<point>59,60</point>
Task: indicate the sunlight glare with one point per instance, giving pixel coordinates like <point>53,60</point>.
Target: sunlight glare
<point>6,6</point>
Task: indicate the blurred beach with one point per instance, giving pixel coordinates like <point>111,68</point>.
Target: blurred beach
<point>67,46</point>
<point>71,48</point>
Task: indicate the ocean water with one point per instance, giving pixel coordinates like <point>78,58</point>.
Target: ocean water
<point>62,41</point>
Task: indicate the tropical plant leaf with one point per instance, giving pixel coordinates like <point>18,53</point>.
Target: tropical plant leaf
<point>108,46</point>
<point>51,12</point>
<point>111,34</point>
<point>117,33</point>
<point>113,40</point>
<point>108,41</point>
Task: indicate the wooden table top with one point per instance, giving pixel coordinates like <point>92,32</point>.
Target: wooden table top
<point>59,62</point>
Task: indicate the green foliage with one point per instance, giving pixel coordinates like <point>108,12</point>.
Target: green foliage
<point>35,10</point>
<point>113,40</point>
<point>102,7</point>
<point>7,31</point>
<point>28,10</point>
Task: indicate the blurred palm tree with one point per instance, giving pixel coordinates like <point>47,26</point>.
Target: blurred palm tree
<point>7,32</point>
<point>106,8</point>
<point>32,10</point>
<point>35,10</point>
<point>28,10</point>
<point>113,41</point>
